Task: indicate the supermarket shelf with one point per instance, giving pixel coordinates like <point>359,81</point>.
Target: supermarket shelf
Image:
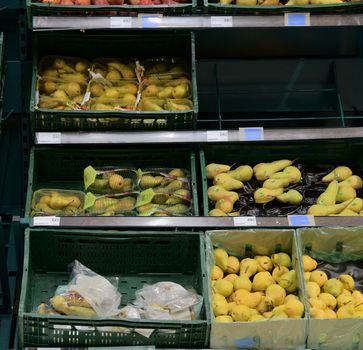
<point>42,138</point>
<point>158,21</point>
<point>192,222</point>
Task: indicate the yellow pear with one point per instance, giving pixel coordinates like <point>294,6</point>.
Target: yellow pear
<point>217,273</point>
<point>329,313</point>
<point>333,286</point>
<point>220,305</point>
<point>352,181</point>
<point>216,193</point>
<point>319,277</point>
<point>241,313</point>
<point>290,297</point>
<point>347,212</point>
<point>242,282</point>
<point>278,271</point>
<point>313,289</point>
<point>268,314</point>
<point>273,184</point>
<point>248,266</point>
<point>214,169</point>
<point>288,281</point>
<point>291,172</point>
<point>217,212</point>
<point>224,318</point>
<point>357,297</point>
<point>293,308</point>
<point>221,258</point>
<point>317,313</point>
<point>242,296</point>
<point>225,205</point>
<point>281,259</point>
<point>275,295</point>
<point>281,316</point>
<point>264,195</point>
<point>345,193</point>
<point>223,287</point>
<point>231,305</point>
<point>325,210</point>
<point>309,263</point>
<point>261,281</point>
<point>264,263</point>
<point>344,299</point>
<point>243,173</point>
<point>264,305</point>
<point>231,277</point>
<point>340,173</point>
<point>329,300</point>
<point>227,182</point>
<point>346,311</point>
<point>317,303</point>
<point>264,170</point>
<point>291,197</point>
<point>256,318</point>
<point>328,197</point>
<point>232,265</point>
<point>348,281</point>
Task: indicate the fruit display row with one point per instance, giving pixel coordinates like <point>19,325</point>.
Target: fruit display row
<point>152,192</point>
<point>281,188</point>
<point>110,2</point>
<point>281,3</point>
<point>66,83</point>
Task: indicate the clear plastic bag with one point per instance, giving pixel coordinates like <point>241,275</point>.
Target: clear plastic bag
<point>114,69</point>
<point>166,104</point>
<point>87,294</point>
<point>165,300</point>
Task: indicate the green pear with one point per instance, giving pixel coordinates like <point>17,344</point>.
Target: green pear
<point>328,197</point>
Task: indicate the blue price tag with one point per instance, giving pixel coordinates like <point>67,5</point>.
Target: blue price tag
<point>247,342</point>
<point>301,220</point>
<point>297,19</point>
<point>150,21</point>
<point>251,134</point>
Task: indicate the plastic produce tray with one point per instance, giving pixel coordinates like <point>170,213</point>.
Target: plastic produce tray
<point>52,167</point>
<point>137,258</point>
<point>313,154</point>
<point>277,334</point>
<point>342,249</point>
<point>215,7</point>
<point>93,46</point>
<point>39,9</point>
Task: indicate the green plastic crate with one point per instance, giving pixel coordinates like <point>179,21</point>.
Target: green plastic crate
<point>279,334</point>
<point>93,46</point>
<point>136,258</point>
<point>62,168</point>
<point>338,245</point>
<point>339,152</point>
<point>215,7</point>
<point>2,76</point>
<point>39,9</point>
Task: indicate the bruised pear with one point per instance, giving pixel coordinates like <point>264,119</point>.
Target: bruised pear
<point>249,267</point>
<point>319,277</point>
<point>281,259</point>
<point>278,271</point>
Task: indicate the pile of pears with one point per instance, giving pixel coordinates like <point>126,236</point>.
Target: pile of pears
<point>274,178</point>
<point>254,289</point>
<point>340,197</point>
<point>58,203</point>
<point>66,83</point>
<point>331,297</point>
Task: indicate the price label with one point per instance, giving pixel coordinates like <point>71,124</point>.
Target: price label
<point>301,220</point>
<point>244,221</point>
<point>46,221</point>
<point>251,134</point>
<point>221,21</point>
<point>48,138</point>
<point>121,22</point>
<point>217,135</point>
<point>150,21</point>
<point>297,19</point>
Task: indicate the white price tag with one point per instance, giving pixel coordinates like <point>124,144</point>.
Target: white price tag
<point>297,19</point>
<point>120,22</point>
<point>251,134</point>
<point>217,135</point>
<point>46,221</point>
<point>48,138</point>
<point>244,221</point>
<point>221,21</point>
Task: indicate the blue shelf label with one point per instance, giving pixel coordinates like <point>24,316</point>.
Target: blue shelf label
<point>251,134</point>
<point>297,19</point>
<point>301,220</point>
<point>247,342</point>
<point>150,21</point>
